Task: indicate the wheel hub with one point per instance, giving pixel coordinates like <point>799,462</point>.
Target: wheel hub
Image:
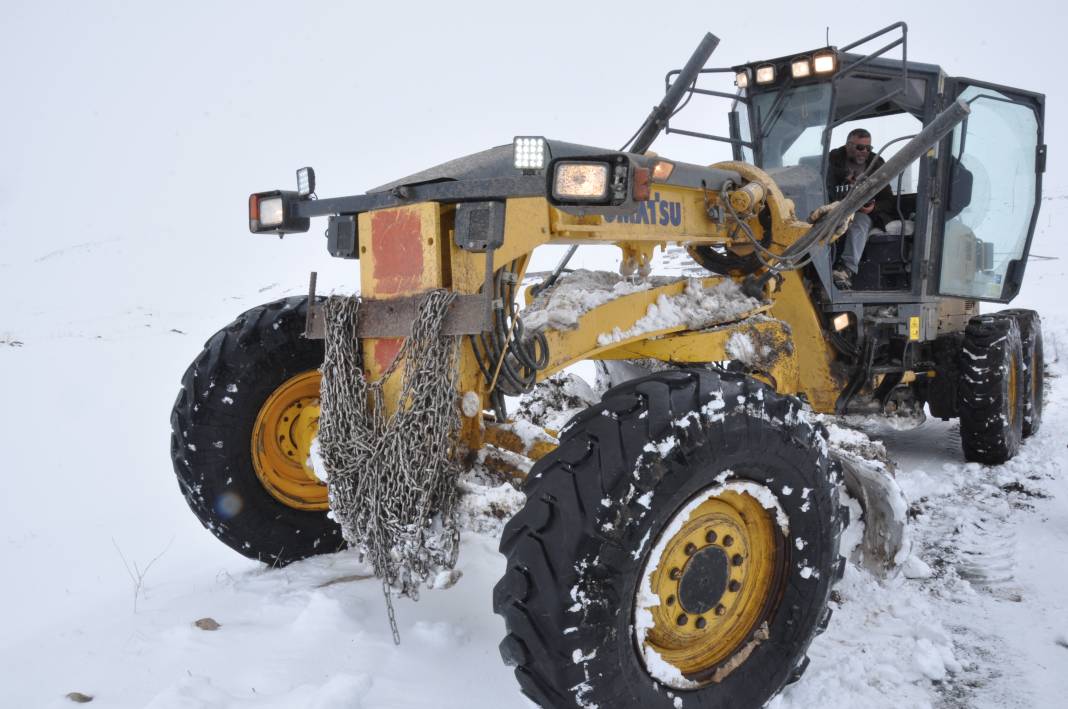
<point>704,580</point>
<point>714,580</point>
<point>281,443</point>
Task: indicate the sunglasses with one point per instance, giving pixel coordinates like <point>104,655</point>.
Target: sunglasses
<point>860,148</point>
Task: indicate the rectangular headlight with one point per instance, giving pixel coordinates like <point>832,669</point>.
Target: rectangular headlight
<point>800,68</point>
<point>271,212</point>
<point>528,153</point>
<point>824,62</point>
<point>581,181</point>
<point>274,213</point>
<point>741,79</point>
<point>765,74</point>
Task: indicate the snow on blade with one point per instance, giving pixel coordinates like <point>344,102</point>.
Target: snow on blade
<point>696,307</point>
<point>577,293</point>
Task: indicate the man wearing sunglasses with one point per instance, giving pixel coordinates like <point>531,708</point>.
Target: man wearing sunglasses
<point>846,166</point>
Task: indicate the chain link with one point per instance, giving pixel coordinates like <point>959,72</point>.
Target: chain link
<point>391,478</point>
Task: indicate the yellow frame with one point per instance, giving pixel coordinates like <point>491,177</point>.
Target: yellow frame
<point>410,249</point>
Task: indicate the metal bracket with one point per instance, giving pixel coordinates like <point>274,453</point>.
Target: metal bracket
<point>313,323</point>
<point>394,317</point>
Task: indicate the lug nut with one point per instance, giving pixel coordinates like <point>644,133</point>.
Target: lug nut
<point>711,537</point>
<point>737,559</point>
<point>728,540</point>
<point>701,623</point>
<point>675,574</point>
<point>671,600</point>
<point>721,609</point>
<point>734,585</point>
<point>690,549</point>
<point>682,619</point>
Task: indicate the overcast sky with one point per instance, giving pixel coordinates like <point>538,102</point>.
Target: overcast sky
<point>149,123</point>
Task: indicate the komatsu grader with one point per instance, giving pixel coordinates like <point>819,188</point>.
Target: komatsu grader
<point>680,539</point>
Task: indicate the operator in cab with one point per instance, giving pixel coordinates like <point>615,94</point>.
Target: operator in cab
<point>846,166</point>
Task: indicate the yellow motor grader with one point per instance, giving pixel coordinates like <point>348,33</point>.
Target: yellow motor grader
<point>680,539</point>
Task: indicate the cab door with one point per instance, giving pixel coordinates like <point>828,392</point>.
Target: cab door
<point>991,188</point>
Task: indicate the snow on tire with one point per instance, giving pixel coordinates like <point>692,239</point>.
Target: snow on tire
<point>677,549</point>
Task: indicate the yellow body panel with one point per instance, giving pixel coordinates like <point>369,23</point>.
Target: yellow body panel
<point>409,250</point>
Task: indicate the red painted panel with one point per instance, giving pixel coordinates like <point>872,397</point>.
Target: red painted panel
<point>397,248</point>
<point>385,350</point>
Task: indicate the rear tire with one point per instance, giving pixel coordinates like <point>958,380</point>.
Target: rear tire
<point>1030,324</point>
<point>990,390</point>
<point>631,476</point>
<point>212,430</point>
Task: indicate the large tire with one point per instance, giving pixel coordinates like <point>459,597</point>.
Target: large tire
<point>1034,367</point>
<point>609,511</point>
<point>212,434</point>
<point>990,390</point>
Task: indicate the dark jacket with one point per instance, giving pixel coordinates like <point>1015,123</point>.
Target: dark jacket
<point>838,185</point>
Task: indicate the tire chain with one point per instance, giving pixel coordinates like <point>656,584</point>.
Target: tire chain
<point>391,479</point>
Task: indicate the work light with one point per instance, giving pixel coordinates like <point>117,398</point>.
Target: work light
<point>305,181</point>
<point>765,74</point>
<point>824,62</point>
<point>741,79</point>
<point>528,152</point>
<point>800,68</point>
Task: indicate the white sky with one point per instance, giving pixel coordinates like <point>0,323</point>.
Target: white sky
<point>149,123</point>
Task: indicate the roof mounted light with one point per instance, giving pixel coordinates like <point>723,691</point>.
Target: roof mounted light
<point>765,74</point>
<point>528,152</point>
<point>800,68</point>
<point>741,79</point>
<point>825,61</point>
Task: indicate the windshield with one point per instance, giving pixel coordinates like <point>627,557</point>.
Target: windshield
<point>788,125</point>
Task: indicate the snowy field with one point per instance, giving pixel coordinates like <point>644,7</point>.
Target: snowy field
<point>129,157</point>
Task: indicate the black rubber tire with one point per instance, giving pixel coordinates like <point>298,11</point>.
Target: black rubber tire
<point>991,422</point>
<point>211,433</point>
<point>1030,324</point>
<point>941,391</point>
<point>586,510</point>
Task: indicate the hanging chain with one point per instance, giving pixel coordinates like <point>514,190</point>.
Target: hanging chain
<point>391,478</point>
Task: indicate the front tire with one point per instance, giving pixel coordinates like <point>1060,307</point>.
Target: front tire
<point>689,495</point>
<point>240,431</point>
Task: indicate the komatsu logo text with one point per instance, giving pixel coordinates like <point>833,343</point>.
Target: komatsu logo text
<point>653,211</point>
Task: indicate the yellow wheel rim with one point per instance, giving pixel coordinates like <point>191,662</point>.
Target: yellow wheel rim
<point>711,584</point>
<point>1013,399</point>
<point>281,443</point>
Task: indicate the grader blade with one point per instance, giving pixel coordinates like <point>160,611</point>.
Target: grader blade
<point>886,542</point>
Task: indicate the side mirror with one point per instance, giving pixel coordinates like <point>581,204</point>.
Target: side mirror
<point>960,188</point>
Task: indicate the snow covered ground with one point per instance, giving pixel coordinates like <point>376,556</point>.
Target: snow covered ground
<point>124,248</point>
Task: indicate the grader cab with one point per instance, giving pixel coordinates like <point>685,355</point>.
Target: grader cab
<point>680,538</point>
